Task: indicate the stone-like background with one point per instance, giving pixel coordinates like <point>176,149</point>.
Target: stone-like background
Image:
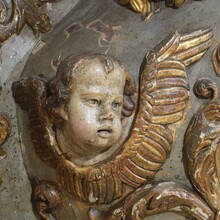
<point>15,190</point>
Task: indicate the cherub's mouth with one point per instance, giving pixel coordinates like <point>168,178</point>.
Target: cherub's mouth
<point>104,132</point>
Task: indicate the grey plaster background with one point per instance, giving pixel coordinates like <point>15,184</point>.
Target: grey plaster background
<point>15,190</point>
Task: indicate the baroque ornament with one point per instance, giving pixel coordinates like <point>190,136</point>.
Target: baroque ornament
<point>201,146</point>
<point>216,59</point>
<point>163,197</point>
<point>78,116</point>
<point>23,12</point>
<point>147,8</point>
<point>46,197</point>
<point>4,134</point>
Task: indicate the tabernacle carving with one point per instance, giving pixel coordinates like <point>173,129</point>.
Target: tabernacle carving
<point>46,197</point>
<point>216,59</point>
<point>76,119</point>
<point>23,11</point>
<point>201,146</point>
<point>148,8</point>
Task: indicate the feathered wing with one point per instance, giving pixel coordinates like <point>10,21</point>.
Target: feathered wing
<point>163,101</point>
<point>164,81</point>
<point>31,95</point>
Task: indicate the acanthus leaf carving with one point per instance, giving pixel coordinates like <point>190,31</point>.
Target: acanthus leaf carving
<point>201,146</point>
<point>163,197</point>
<point>24,11</point>
<point>216,59</point>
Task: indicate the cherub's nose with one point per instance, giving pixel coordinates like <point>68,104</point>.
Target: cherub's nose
<point>107,114</point>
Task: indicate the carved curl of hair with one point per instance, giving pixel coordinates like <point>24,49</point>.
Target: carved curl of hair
<point>61,83</point>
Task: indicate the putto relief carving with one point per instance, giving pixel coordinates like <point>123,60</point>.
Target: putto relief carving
<point>77,118</point>
<point>23,12</point>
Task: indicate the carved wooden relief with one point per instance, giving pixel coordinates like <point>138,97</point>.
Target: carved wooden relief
<point>164,197</point>
<point>216,59</point>
<point>92,94</point>
<point>23,12</point>
<point>148,8</point>
<point>4,134</point>
<point>201,147</point>
<point>46,197</point>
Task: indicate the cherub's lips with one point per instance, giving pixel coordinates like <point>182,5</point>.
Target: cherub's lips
<point>104,132</point>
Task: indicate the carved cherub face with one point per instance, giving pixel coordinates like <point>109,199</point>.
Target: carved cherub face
<point>92,117</point>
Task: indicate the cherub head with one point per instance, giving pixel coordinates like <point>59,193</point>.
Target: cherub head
<point>91,94</point>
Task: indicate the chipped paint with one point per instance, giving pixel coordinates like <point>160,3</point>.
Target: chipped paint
<point>92,198</point>
<point>73,28</point>
<point>108,34</point>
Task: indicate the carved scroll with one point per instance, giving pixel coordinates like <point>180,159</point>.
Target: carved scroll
<point>163,98</point>
<point>23,11</point>
<point>46,197</point>
<point>5,129</point>
<point>216,59</point>
<point>202,148</point>
<point>148,8</point>
<point>163,197</point>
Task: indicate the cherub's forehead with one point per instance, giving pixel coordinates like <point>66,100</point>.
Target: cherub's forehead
<point>93,73</point>
<point>106,64</point>
<point>99,67</point>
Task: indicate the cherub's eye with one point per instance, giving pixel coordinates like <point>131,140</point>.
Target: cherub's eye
<point>116,105</point>
<point>93,102</point>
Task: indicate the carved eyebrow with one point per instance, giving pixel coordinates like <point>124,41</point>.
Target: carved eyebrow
<point>92,95</point>
<point>118,98</point>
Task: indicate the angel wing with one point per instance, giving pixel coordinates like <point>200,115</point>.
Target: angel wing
<point>202,148</point>
<point>163,99</point>
<point>31,94</point>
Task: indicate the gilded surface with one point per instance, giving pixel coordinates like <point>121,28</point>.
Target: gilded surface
<point>216,59</point>
<point>107,175</point>
<point>148,8</point>
<point>4,128</point>
<point>164,197</point>
<point>201,146</point>
<point>163,98</point>
<point>23,12</point>
<point>4,134</point>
